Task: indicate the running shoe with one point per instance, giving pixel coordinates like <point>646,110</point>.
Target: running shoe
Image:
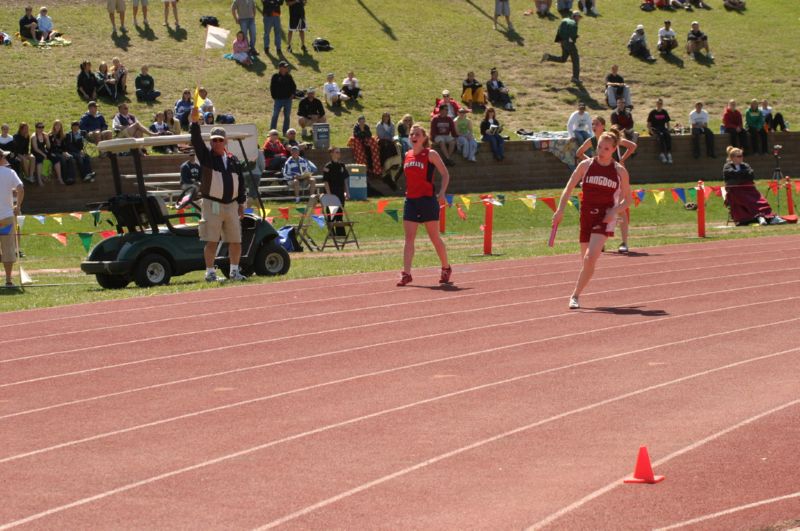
<point>623,248</point>
<point>405,278</point>
<point>445,278</point>
<point>237,277</point>
<point>573,303</point>
<point>211,276</point>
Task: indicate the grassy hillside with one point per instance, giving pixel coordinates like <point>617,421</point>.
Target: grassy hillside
<point>406,51</point>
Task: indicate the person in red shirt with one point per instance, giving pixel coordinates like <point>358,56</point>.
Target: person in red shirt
<point>421,204</point>
<point>734,126</point>
<point>275,153</point>
<point>443,131</point>
<point>606,194</point>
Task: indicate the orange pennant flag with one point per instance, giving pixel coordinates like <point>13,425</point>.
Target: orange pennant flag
<point>318,210</point>
<point>461,212</point>
<point>284,212</point>
<point>382,205</point>
<point>549,201</point>
<point>76,215</point>
<point>61,237</point>
<point>108,233</point>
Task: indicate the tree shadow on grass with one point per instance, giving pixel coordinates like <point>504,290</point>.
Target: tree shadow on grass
<point>629,310</point>
<point>386,28</point>
<point>178,34</point>
<point>121,41</point>
<point>146,32</point>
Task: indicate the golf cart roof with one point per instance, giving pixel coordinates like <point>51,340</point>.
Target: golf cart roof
<point>118,145</point>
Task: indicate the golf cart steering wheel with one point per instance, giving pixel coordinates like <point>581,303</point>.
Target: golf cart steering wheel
<point>188,198</point>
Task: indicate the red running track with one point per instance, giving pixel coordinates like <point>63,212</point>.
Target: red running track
<point>348,403</point>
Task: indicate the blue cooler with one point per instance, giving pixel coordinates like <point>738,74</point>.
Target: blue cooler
<point>358,181</point>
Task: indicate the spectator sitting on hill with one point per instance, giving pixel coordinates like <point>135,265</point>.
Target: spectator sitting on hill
<point>126,125</point>
<point>242,49</point>
<point>365,148</point>
<point>160,128</point>
<point>87,82</point>
<point>773,121</point>
<point>472,93</point>
<point>623,119</point>
<point>733,126</point>
<point>658,125</point>
<point>465,141</point>
<point>106,83</point>
<point>667,38</point>
<point>579,125</point>
<point>680,4</point>
<point>351,87</point>
<point>754,120</point>
<point>45,25</point>
<point>28,27</point>
<point>297,170</point>
<point>696,41</point>
<point>120,73</point>
<point>443,131</point>
<point>183,107</point>
<point>76,149</point>
<point>333,96</point>
<point>617,89</point>
<point>93,125</point>
<point>698,119</point>
<point>207,105</point>
<point>146,86</point>
<point>498,93</point>
<point>490,132</point>
<point>637,45</point>
<point>310,111</point>
<point>449,103</point>
<point>736,5</point>
<point>275,153</point>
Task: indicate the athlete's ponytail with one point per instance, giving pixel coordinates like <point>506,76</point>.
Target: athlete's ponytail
<point>733,151</point>
<point>612,134</point>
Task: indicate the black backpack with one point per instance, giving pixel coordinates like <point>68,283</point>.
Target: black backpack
<point>321,45</point>
<point>209,21</point>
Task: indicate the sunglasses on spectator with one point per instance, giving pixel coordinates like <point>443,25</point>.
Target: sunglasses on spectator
<point>39,127</point>
<point>217,140</point>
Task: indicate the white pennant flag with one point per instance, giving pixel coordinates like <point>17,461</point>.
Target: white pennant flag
<point>333,209</point>
<point>24,278</point>
<point>216,37</point>
<point>20,221</point>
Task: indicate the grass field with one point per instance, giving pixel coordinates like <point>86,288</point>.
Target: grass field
<point>406,51</point>
<point>518,232</point>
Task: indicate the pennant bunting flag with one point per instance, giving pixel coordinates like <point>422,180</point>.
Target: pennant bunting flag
<point>549,201</point>
<point>86,240</point>
<point>61,237</point>
<point>265,212</point>
<point>382,205</point>
<point>483,228</point>
<point>501,198</point>
<point>333,209</point>
<point>659,196</point>
<point>529,202</point>
<point>707,191</point>
<point>574,202</point>
<point>466,200</point>
<point>248,211</point>
<point>40,219</point>
<point>7,229</point>
<point>636,199</point>
<point>24,277</point>
<point>675,197</point>
<point>301,210</point>
<point>108,233</point>
<point>449,198</point>
<point>76,215</point>
<point>318,210</point>
<point>691,194</point>
<point>392,214</point>
<point>216,37</point>
<point>797,186</point>
<point>270,219</point>
<point>717,190</point>
<point>20,221</point>
<point>461,212</point>
<point>110,222</point>
<point>95,216</point>
<point>319,221</point>
<point>680,194</point>
<point>284,212</point>
<point>773,185</point>
<point>641,194</point>
<point>58,219</point>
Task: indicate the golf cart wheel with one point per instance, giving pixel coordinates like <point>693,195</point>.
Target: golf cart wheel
<point>152,270</point>
<point>272,259</point>
<point>112,281</point>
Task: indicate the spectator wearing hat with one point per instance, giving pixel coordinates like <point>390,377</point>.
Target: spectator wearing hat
<point>450,104</point>
<point>465,140</point>
<point>637,45</point>
<point>567,35</point>
<point>282,88</point>
<point>244,14</point>
<point>275,153</point>
<point>667,38</point>
<point>310,111</point>
<point>579,125</point>
<point>696,41</point>
<point>297,170</point>
<point>351,87</point>
<point>498,92</point>
<point>617,89</point>
<point>333,96</point>
<point>472,93</point>
<point>444,134</point>
<point>93,125</point>
<point>12,192</point>
<point>698,119</point>
<point>28,27</point>
<point>75,147</point>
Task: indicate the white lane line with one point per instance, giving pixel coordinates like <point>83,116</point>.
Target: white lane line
<point>399,473</point>
<point>395,321</point>
<point>515,431</point>
<point>732,510</point>
<point>417,365</point>
<point>393,305</point>
<point>695,445</point>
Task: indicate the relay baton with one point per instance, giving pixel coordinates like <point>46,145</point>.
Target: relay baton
<point>553,231</point>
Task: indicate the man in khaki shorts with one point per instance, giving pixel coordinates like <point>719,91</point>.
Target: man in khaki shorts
<point>224,194</point>
<point>136,11</point>
<point>117,6</point>
<point>11,194</point>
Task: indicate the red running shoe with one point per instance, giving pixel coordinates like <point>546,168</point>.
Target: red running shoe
<point>445,278</point>
<point>405,278</point>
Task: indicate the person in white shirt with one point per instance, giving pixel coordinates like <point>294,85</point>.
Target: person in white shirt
<point>667,38</point>
<point>45,25</point>
<point>351,87</point>
<point>11,194</point>
<point>579,125</point>
<point>333,96</point>
<point>698,119</point>
<point>208,105</point>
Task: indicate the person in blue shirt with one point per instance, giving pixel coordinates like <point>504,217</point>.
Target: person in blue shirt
<point>297,169</point>
<point>93,125</point>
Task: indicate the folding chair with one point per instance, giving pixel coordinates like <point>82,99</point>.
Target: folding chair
<point>306,222</point>
<point>337,221</point>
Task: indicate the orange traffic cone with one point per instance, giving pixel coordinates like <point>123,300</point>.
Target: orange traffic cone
<point>643,473</point>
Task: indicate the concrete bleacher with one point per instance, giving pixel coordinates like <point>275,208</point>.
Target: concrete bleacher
<point>524,169</point>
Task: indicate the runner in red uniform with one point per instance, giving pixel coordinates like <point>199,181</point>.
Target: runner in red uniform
<point>421,205</point>
<point>606,193</point>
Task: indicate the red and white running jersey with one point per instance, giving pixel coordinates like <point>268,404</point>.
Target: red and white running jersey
<point>601,185</point>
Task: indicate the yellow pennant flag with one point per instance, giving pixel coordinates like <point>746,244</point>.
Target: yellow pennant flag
<point>198,101</point>
<point>265,212</point>
<point>529,202</point>
<point>466,200</point>
<point>57,219</point>
<point>659,196</point>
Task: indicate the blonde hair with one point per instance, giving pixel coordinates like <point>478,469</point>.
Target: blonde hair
<point>60,134</point>
<point>611,134</point>
<point>407,117</point>
<point>731,151</point>
<point>427,142</point>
